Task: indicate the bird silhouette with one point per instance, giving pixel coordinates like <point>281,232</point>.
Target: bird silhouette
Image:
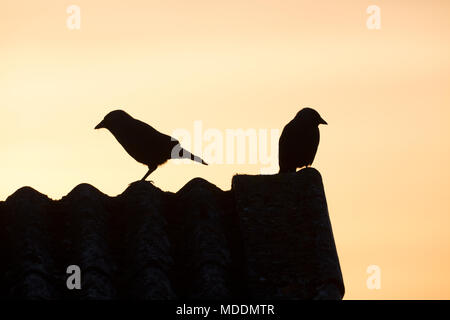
<point>299,140</point>
<point>144,143</point>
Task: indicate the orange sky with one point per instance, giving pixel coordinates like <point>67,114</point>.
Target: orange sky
<point>248,64</point>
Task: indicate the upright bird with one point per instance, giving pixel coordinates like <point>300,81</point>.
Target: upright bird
<point>299,140</point>
<point>144,143</point>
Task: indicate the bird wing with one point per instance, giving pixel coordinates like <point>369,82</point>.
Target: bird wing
<point>286,144</point>
<point>298,144</point>
<point>159,145</point>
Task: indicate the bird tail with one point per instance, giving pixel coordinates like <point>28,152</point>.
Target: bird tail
<point>187,155</point>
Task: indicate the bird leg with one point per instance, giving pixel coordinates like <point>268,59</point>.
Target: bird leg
<point>150,170</point>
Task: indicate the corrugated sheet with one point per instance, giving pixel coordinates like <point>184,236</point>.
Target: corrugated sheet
<point>269,237</point>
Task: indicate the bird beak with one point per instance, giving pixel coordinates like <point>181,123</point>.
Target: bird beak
<point>322,121</point>
<point>100,125</point>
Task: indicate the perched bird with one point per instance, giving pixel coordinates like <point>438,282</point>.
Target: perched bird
<point>145,144</point>
<point>299,140</point>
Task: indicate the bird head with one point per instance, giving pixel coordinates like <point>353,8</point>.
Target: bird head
<point>113,119</point>
<point>310,115</point>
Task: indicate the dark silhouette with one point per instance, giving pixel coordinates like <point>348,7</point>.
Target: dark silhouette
<point>299,140</point>
<point>200,243</point>
<point>145,144</point>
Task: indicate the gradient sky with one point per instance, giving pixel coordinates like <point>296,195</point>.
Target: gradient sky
<point>384,157</point>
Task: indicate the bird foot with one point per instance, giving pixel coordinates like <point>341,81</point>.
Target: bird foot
<point>141,181</point>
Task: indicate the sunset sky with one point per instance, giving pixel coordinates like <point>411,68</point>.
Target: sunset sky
<point>384,157</point>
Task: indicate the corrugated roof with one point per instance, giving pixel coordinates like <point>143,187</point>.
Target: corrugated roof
<point>269,237</point>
